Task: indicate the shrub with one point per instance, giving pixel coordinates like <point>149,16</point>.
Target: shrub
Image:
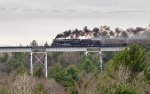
<point>88,66</point>
<point>39,72</point>
<point>125,90</point>
<point>71,75</point>
<point>41,89</point>
<point>147,75</point>
<point>22,70</point>
<point>57,73</point>
<point>4,58</point>
<point>17,60</point>
<point>4,89</point>
<point>66,77</point>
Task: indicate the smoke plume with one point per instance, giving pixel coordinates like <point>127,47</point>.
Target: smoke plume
<point>105,32</point>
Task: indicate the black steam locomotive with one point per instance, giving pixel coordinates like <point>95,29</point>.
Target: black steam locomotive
<point>98,42</point>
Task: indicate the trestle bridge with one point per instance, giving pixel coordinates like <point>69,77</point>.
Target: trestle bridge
<point>34,51</point>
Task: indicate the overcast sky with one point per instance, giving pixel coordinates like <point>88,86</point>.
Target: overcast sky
<point>22,21</point>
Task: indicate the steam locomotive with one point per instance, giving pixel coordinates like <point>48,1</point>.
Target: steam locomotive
<point>98,42</point>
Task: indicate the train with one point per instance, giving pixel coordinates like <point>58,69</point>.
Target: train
<point>99,42</point>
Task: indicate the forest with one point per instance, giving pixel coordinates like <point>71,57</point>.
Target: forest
<point>124,72</point>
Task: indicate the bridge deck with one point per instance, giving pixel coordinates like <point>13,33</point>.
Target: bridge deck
<point>59,49</point>
<point>15,49</point>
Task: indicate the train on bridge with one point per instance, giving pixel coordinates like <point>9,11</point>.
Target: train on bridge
<point>120,42</point>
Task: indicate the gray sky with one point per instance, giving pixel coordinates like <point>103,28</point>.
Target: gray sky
<point>21,21</point>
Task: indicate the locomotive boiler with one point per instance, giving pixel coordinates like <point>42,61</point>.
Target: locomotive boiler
<point>118,42</point>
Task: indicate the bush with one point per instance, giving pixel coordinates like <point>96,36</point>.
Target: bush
<point>40,89</point>
<point>125,90</point>
<point>57,73</point>
<point>147,75</point>
<point>71,90</point>
<point>4,89</point>
<point>39,72</point>
<point>71,75</point>
<point>4,58</point>
<point>66,77</point>
<point>89,64</point>
<point>17,60</point>
<point>22,70</point>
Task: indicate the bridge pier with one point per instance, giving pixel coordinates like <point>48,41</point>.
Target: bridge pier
<point>46,64</point>
<point>31,63</point>
<point>101,60</point>
<point>37,58</point>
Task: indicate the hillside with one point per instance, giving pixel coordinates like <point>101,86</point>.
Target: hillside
<point>73,73</point>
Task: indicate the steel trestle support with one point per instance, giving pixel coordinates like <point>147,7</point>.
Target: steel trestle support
<point>37,58</point>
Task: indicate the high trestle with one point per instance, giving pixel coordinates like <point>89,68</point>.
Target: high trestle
<point>38,56</point>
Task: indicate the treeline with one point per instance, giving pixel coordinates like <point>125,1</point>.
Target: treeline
<point>34,43</point>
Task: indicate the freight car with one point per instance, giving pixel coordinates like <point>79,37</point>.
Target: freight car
<point>98,42</point>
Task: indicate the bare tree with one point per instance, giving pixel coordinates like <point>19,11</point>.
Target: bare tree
<point>34,43</point>
<point>23,84</point>
<point>46,44</point>
<point>123,75</point>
